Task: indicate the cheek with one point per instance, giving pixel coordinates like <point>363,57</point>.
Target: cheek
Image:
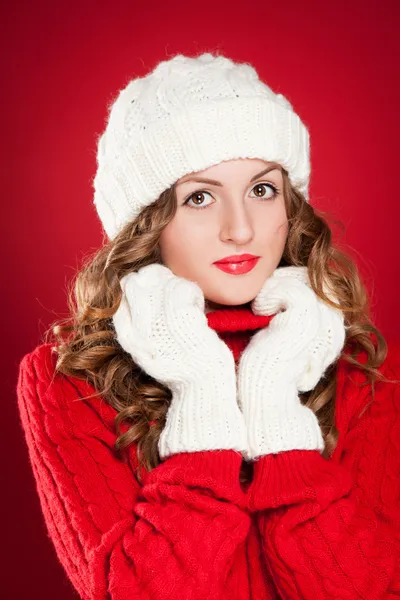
<point>170,242</point>
<point>274,231</point>
<point>181,247</point>
<point>282,231</point>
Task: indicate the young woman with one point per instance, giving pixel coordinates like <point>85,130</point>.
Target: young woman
<point>221,417</point>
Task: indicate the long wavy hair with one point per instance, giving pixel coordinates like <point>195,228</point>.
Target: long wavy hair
<point>87,347</point>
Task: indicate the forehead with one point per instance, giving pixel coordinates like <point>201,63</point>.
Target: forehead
<point>247,167</point>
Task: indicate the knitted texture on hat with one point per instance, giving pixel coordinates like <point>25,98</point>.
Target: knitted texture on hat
<point>186,115</point>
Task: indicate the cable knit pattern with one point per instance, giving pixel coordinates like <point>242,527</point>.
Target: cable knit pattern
<point>330,529</point>
<point>306,528</point>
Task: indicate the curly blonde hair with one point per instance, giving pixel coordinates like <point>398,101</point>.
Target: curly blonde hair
<point>87,347</point>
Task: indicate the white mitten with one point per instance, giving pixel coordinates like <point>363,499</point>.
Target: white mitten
<point>288,356</point>
<point>161,323</point>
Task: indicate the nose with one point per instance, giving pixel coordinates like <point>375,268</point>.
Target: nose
<point>236,224</point>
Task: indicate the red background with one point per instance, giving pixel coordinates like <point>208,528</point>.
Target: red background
<point>62,62</point>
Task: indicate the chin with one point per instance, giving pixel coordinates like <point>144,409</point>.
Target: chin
<point>218,301</point>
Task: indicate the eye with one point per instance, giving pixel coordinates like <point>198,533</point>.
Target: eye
<point>262,186</point>
<point>197,197</point>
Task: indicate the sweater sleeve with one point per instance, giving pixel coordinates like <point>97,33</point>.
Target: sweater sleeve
<point>174,537</point>
<point>331,528</point>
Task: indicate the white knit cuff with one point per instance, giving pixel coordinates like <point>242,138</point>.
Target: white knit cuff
<point>202,418</point>
<point>280,429</point>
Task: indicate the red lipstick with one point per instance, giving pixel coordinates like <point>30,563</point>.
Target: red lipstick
<point>237,264</point>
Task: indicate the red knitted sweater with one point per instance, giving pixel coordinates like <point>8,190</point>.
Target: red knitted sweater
<point>306,528</point>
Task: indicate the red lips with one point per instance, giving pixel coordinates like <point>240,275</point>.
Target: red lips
<point>237,264</point>
<point>236,258</point>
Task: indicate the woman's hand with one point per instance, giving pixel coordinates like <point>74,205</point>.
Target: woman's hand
<point>288,356</point>
<point>162,324</point>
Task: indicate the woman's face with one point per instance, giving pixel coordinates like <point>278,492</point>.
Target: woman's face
<point>236,213</point>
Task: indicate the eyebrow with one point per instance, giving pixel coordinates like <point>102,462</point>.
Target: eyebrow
<point>215,182</point>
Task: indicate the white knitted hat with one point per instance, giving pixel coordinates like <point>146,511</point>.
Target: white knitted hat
<point>186,115</point>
